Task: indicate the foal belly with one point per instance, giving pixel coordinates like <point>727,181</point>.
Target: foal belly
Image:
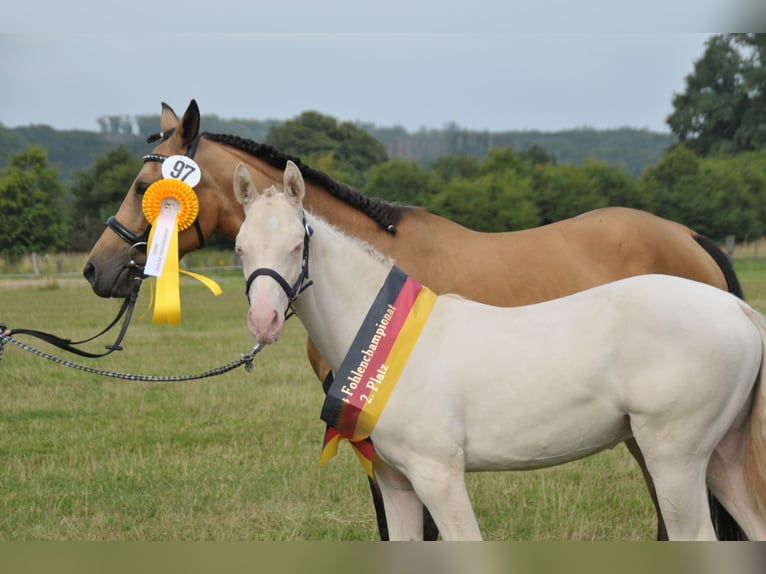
<point>523,442</point>
<point>541,426</point>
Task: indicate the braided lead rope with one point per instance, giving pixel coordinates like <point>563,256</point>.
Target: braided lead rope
<point>246,360</point>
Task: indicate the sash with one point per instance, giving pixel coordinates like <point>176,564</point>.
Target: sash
<point>371,368</point>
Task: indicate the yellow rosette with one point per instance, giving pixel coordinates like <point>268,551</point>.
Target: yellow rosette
<point>171,206</point>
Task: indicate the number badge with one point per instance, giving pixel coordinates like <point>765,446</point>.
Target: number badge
<point>183,168</point>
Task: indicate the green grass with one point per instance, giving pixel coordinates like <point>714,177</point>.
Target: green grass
<point>52,264</point>
<point>233,457</point>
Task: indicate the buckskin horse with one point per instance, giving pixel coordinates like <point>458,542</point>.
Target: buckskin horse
<point>503,269</point>
<point>673,363</point>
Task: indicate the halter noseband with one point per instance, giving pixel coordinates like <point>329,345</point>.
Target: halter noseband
<point>140,240</point>
<point>301,283</point>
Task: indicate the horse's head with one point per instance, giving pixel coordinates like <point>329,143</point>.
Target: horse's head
<point>116,259</point>
<point>273,245</point>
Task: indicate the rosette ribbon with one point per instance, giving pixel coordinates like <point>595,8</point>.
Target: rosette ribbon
<point>171,206</point>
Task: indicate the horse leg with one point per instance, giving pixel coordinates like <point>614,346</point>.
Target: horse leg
<point>403,516</point>
<point>662,533</point>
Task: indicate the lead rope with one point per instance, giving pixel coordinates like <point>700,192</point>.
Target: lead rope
<point>246,360</point>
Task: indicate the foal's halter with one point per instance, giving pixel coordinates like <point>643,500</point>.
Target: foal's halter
<point>301,283</point>
<point>139,241</point>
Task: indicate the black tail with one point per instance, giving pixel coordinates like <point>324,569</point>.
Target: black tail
<point>725,526</point>
<point>723,262</point>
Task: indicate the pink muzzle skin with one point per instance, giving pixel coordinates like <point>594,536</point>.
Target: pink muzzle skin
<point>264,322</point>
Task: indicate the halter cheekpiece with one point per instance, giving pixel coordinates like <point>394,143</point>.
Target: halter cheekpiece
<point>301,283</point>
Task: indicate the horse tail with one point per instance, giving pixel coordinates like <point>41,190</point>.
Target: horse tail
<point>723,262</point>
<point>754,464</point>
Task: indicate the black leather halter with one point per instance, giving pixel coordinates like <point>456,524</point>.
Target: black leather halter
<point>140,240</point>
<point>301,283</point>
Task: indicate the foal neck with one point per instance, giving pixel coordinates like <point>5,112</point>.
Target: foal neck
<point>346,276</point>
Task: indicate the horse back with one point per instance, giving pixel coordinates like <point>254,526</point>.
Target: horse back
<point>533,265</point>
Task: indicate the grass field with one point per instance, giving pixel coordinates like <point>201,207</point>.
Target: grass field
<point>235,457</point>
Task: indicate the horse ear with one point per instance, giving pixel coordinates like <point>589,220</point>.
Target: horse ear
<point>293,184</point>
<point>168,119</point>
<point>189,125</point>
<point>244,188</point>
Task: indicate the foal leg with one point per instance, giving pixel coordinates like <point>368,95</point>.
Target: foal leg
<point>683,500</point>
<point>441,486</point>
<point>678,470</point>
<point>403,509</point>
<point>322,370</point>
<point>662,533</point>
<point>725,476</point>
<point>729,486</point>
<point>430,531</point>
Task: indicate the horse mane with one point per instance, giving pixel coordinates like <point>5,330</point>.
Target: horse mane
<point>384,213</point>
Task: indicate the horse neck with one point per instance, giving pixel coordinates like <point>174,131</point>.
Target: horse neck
<point>346,278</point>
<point>419,245</point>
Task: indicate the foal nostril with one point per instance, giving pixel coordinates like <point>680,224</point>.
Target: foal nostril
<point>265,326</point>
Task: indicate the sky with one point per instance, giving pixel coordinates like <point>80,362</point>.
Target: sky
<point>495,65</point>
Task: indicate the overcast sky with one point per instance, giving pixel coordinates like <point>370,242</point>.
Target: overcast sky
<point>482,64</point>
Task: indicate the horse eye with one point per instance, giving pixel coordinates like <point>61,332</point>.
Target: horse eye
<point>141,187</point>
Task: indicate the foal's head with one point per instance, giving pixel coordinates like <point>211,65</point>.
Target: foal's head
<point>272,243</point>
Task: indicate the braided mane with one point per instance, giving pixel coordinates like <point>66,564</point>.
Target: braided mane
<point>385,214</point>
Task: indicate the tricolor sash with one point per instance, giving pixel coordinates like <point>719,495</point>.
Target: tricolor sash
<point>372,366</point>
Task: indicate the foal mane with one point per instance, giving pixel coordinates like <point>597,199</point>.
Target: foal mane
<point>384,213</point>
<point>359,242</point>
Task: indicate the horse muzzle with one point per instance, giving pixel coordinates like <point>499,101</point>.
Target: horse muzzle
<point>111,281</point>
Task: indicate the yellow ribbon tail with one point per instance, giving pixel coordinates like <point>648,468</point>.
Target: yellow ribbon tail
<point>364,461</point>
<point>364,450</point>
<point>330,448</point>
<point>167,305</point>
<point>206,281</point>
<point>167,294</point>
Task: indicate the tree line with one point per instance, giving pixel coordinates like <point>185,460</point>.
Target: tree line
<point>70,151</point>
<point>712,179</point>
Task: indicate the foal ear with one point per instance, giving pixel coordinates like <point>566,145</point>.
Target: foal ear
<point>293,184</point>
<point>244,188</point>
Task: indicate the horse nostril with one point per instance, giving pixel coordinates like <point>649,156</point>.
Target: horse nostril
<point>89,271</point>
